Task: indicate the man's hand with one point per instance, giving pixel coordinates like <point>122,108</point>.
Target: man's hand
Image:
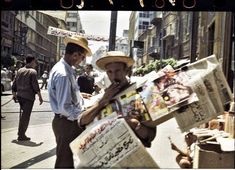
<point>174,147</point>
<point>86,95</point>
<point>109,93</point>
<point>40,100</point>
<point>14,97</point>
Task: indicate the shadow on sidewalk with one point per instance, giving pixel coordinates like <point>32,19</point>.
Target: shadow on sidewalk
<point>35,159</point>
<point>27,143</point>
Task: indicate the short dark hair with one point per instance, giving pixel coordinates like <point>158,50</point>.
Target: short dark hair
<point>29,58</point>
<point>89,65</point>
<point>72,48</point>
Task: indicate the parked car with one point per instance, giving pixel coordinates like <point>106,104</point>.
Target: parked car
<point>5,81</point>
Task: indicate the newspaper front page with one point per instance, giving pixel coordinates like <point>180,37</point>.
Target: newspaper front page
<point>197,113</point>
<point>207,80</point>
<point>110,144</point>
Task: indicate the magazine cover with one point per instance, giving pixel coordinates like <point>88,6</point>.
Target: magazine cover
<point>132,105</point>
<point>165,95</point>
<point>112,109</point>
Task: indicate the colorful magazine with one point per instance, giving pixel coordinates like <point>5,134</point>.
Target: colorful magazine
<point>112,110</point>
<point>132,105</point>
<point>166,94</point>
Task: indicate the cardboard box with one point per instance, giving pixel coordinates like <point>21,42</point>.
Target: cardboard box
<point>211,156</point>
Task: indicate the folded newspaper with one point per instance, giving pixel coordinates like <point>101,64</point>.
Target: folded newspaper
<point>110,143</point>
<point>208,82</point>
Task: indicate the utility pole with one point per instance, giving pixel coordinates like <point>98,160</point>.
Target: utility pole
<point>112,32</point>
<point>194,31</point>
<point>162,41</point>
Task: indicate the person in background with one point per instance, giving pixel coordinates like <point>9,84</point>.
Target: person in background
<point>24,88</point>
<point>44,79</point>
<point>185,157</point>
<point>97,90</point>
<point>86,80</point>
<point>19,64</point>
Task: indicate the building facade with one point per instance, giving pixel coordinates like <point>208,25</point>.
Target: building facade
<point>73,22</point>
<point>38,43</point>
<point>7,32</point>
<point>25,32</point>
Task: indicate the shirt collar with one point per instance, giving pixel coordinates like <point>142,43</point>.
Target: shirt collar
<point>68,67</point>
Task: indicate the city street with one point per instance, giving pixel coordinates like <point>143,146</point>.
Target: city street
<point>40,151</point>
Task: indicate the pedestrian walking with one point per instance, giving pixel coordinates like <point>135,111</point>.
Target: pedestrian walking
<point>44,79</point>
<point>24,88</point>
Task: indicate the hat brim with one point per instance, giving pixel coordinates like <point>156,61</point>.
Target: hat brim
<point>102,62</point>
<point>79,43</point>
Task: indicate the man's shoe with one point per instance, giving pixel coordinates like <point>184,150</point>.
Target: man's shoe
<point>23,138</point>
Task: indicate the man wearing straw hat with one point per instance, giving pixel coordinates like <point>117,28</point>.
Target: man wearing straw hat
<point>117,64</point>
<point>67,102</point>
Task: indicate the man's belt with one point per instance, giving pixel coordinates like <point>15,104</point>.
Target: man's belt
<point>57,115</point>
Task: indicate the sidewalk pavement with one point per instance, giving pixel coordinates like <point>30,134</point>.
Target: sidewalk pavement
<point>39,152</point>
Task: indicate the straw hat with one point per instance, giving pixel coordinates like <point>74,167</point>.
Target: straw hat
<point>80,41</point>
<point>112,57</point>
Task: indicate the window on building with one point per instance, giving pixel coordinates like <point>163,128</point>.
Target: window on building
<point>145,23</point>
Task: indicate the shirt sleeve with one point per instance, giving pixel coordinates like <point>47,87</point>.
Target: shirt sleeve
<point>34,81</point>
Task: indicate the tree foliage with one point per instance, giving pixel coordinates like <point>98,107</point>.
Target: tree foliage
<point>156,65</point>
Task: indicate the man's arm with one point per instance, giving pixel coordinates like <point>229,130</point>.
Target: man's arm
<point>14,89</point>
<point>174,147</point>
<point>35,86</point>
<point>40,97</point>
<point>89,114</point>
<point>146,134</point>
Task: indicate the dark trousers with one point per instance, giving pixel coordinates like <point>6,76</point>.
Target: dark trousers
<point>65,132</point>
<point>44,82</point>
<point>26,107</point>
